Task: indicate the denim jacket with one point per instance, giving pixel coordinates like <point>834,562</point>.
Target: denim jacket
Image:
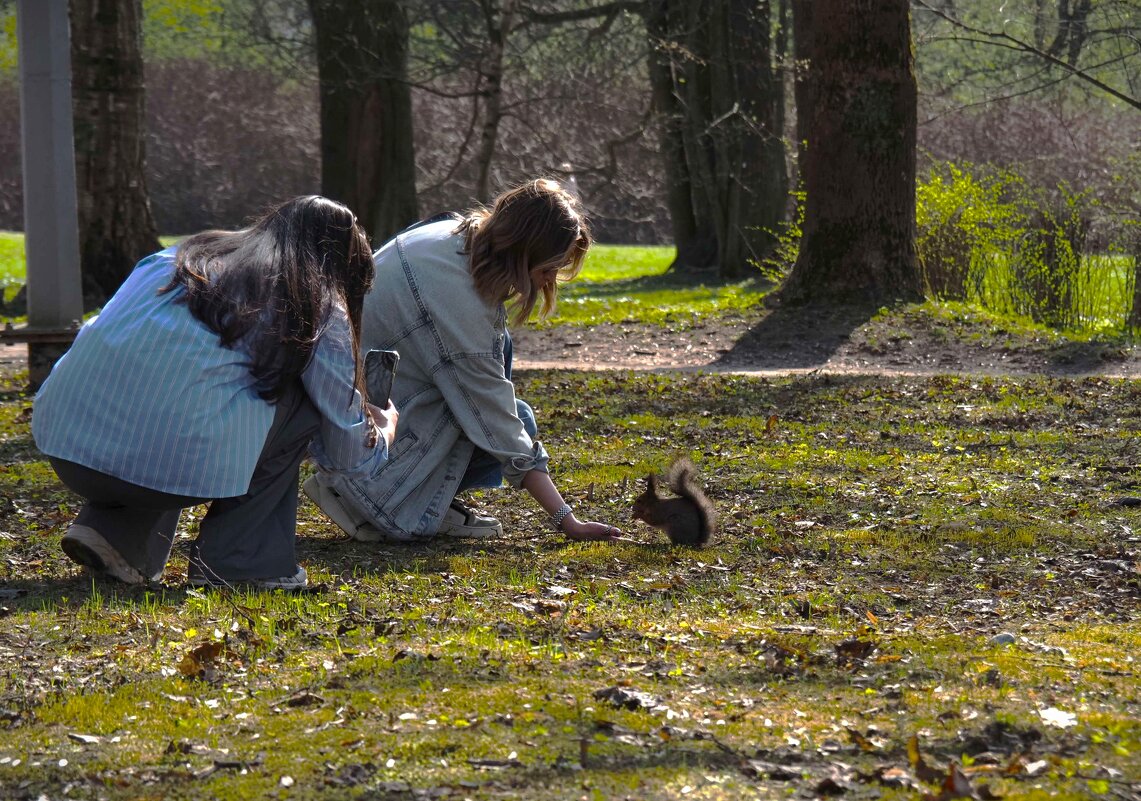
<point>450,386</point>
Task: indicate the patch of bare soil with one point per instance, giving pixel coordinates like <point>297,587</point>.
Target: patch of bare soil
<point>799,340</point>
<point>833,340</point>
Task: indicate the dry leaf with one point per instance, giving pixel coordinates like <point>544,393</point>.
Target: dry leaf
<point>200,659</point>
<point>919,766</point>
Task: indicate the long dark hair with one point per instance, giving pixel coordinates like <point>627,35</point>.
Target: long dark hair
<point>531,234</point>
<point>271,287</point>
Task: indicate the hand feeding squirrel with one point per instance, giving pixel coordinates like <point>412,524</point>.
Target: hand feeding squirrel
<point>687,520</point>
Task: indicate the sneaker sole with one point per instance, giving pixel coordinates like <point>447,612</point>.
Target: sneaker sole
<point>291,583</point>
<point>470,532</point>
<point>88,555</point>
<point>329,502</point>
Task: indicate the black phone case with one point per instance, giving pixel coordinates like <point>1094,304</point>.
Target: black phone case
<point>379,369</point>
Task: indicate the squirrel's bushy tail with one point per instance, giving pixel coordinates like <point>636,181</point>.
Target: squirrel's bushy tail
<point>682,479</point>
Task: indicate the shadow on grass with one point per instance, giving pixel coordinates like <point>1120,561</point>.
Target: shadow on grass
<point>796,337</point>
<point>1085,358</point>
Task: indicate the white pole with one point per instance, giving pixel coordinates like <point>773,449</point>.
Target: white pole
<point>51,223</point>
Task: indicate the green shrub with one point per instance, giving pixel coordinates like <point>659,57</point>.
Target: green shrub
<point>1046,271</point>
<point>986,237</point>
<point>963,225</point>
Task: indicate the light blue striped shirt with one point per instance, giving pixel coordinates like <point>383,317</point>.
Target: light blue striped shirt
<point>147,394</point>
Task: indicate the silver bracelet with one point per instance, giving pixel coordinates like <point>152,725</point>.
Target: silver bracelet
<point>558,517</point>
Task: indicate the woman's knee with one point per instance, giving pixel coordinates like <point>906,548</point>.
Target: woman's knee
<point>527,415</point>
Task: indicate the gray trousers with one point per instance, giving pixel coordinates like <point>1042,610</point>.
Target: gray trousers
<point>248,537</point>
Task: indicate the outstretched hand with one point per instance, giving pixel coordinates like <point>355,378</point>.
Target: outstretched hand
<point>591,531</point>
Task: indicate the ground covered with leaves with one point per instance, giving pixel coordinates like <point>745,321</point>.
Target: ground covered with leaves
<point>922,587</point>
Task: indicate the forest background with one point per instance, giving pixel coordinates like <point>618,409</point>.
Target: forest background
<point>1028,104</point>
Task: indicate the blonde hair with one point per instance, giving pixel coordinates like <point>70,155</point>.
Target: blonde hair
<point>535,228</point>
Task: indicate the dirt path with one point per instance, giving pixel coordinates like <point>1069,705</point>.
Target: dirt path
<point>786,343</point>
<point>828,342</point>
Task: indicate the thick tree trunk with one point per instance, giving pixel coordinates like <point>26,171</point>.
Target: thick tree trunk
<point>116,227</point>
<point>368,161</point>
<point>731,104</point>
<point>858,240</point>
<point>758,188</point>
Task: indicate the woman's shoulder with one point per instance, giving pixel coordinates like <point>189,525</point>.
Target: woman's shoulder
<point>440,233</point>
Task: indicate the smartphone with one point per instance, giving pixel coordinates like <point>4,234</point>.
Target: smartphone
<point>379,369</point>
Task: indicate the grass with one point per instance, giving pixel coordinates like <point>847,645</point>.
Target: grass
<point>13,271</point>
<point>11,263</point>
<point>618,283</point>
<point>630,284</point>
<point>877,535</point>
<point>916,581</point>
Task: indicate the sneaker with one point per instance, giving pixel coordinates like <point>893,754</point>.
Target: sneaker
<point>329,501</point>
<point>463,521</point>
<point>297,581</point>
<point>86,546</point>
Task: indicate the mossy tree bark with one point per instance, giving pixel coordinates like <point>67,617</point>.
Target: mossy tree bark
<point>368,160</point>
<point>723,106</point>
<point>116,226</point>
<point>858,172</point>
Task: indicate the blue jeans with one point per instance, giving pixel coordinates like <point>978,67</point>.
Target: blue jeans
<point>484,470</point>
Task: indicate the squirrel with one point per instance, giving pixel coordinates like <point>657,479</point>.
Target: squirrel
<point>687,520</point>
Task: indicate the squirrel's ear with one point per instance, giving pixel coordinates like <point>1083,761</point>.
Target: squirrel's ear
<point>652,482</point>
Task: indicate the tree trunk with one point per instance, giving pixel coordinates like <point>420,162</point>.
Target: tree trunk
<point>802,88</point>
<point>498,21</point>
<point>731,103</point>
<point>116,227</point>
<point>758,188</point>
<point>858,242</point>
<point>368,161</point>
<point>667,110</point>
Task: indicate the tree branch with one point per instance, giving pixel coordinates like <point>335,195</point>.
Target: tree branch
<point>1017,44</point>
<point>579,14</point>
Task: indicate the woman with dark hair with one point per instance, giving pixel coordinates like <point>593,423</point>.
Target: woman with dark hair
<point>207,378</point>
<point>443,286</point>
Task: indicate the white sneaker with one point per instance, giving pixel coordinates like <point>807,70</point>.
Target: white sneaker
<point>462,521</point>
<point>329,501</point>
<point>297,581</point>
<point>86,546</point>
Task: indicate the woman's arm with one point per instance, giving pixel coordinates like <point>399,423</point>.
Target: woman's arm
<point>543,490</point>
<point>349,439</point>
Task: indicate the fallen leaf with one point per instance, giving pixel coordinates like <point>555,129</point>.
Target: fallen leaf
<point>304,698</point>
<point>760,769</point>
<point>863,742</point>
<point>853,650</point>
<point>1052,716</point>
<point>630,699</point>
<point>922,770</point>
<point>956,785</point>
<point>200,659</point>
<point>86,739</point>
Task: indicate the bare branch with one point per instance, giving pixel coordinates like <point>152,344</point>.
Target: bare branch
<point>1017,44</point>
<point>576,15</point>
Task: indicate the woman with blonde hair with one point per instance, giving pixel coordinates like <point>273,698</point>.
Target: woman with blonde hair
<point>440,299</point>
